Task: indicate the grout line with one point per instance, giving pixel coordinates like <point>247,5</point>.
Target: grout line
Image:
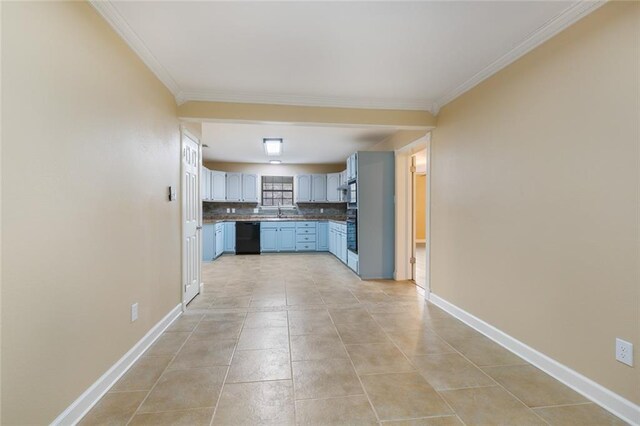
<point>565,405</point>
<point>163,371</point>
<point>375,412</point>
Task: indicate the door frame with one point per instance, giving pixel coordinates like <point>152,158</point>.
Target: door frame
<point>404,210</point>
<point>185,133</point>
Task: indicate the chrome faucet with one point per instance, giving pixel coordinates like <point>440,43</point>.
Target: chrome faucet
<point>279,212</point>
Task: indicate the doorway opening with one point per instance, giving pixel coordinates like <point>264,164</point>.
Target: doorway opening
<point>419,215</point>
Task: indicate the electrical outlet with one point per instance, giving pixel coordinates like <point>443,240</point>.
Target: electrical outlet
<point>233,210</point>
<point>256,210</point>
<point>134,312</point>
<point>624,352</point>
<point>321,210</point>
<point>228,210</point>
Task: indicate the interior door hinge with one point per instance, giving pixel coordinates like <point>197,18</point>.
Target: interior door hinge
<point>412,260</point>
<point>413,169</point>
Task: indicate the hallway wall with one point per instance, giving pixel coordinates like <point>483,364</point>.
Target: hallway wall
<point>534,185</point>
<point>90,145</point>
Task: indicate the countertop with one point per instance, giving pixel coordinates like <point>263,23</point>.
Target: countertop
<point>337,219</point>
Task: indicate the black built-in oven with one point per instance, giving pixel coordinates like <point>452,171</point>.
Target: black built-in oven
<point>352,229</point>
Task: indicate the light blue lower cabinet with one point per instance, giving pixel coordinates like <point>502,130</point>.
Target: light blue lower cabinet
<point>286,239</point>
<point>268,240</point>
<point>322,236</point>
<point>352,260</point>
<point>219,239</point>
<point>230,237</point>
<point>208,241</point>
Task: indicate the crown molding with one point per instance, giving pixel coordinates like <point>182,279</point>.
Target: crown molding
<point>566,18</point>
<point>106,9</point>
<point>303,100</point>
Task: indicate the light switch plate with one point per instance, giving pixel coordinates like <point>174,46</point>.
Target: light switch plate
<point>134,312</point>
<point>233,210</point>
<point>172,193</point>
<point>256,210</point>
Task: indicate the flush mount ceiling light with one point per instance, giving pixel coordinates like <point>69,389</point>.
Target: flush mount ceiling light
<point>272,146</point>
<point>275,162</point>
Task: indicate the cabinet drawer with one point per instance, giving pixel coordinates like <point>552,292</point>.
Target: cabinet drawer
<point>286,224</point>
<point>305,238</point>
<point>306,231</point>
<point>306,246</point>
<point>306,225</point>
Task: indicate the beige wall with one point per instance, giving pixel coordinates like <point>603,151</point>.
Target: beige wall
<point>535,198</point>
<point>420,206</point>
<point>90,145</point>
<point>276,169</point>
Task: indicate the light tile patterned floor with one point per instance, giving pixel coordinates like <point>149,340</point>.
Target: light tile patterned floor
<point>285,339</point>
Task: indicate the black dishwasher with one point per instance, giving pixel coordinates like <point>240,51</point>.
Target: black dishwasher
<point>247,237</point>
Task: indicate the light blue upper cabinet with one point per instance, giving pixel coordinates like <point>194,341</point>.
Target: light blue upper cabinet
<point>333,182</point>
<point>250,188</point>
<point>268,240</point>
<point>205,184</point>
<point>230,237</point>
<point>234,186</point>
<point>343,181</point>
<point>286,239</point>
<point>319,188</point>
<point>303,188</point>
<point>352,166</point>
<point>322,236</point>
<point>218,185</point>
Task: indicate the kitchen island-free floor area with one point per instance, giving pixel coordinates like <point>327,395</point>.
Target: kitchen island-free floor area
<point>285,339</point>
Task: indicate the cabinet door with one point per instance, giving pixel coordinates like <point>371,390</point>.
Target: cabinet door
<point>230,237</point>
<point>234,186</point>
<point>219,241</point>
<point>268,240</point>
<point>303,188</point>
<point>205,184</point>
<point>322,236</point>
<point>343,247</point>
<point>343,181</point>
<point>208,242</point>
<point>218,186</point>
<point>333,182</point>
<point>319,188</point>
<point>250,188</point>
<point>286,239</point>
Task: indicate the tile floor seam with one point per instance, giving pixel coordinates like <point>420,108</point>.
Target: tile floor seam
<point>224,381</point>
<point>165,369</point>
<point>414,366</point>
<point>563,405</point>
<point>504,388</point>
<point>293,383</point>
<point>375,412</point>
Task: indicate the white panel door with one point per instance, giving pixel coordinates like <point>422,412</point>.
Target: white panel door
<point>191,205</point>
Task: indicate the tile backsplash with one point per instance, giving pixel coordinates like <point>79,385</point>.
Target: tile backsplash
<point>218,210</point>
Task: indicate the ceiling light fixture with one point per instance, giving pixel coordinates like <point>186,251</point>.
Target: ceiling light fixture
<point>275,162</point>
<point>272,146</point>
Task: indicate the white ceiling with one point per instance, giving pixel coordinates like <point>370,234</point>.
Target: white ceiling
<point>387,54</point>
<point>242,143</point>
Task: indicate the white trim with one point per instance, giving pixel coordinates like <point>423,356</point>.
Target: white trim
<point>566,18</point>
<point>421,241</point>
<point>305,100</point>
<point>74,413</point>
<point>621,407</point>
<point>110,14</point>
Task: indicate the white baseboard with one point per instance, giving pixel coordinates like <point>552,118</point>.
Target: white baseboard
<point>74,413</point>
<point>616,404</point>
